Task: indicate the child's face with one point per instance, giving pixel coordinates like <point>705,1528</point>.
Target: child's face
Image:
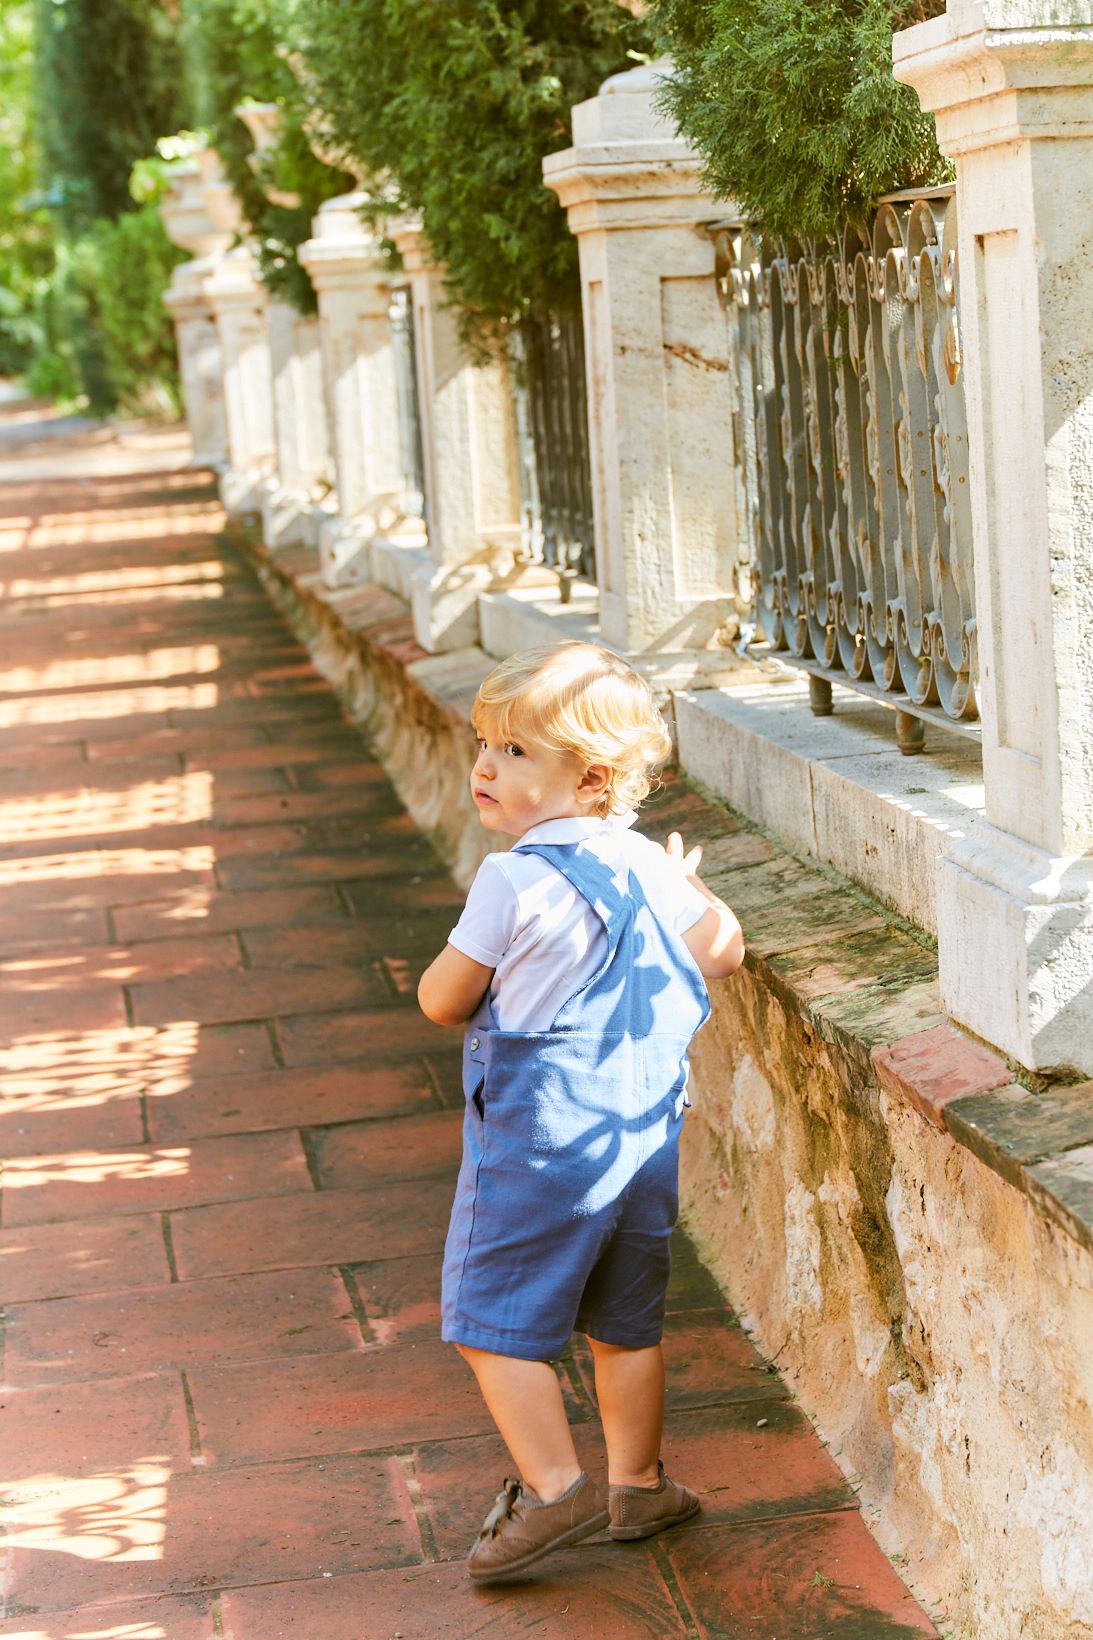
<point>517,784</point>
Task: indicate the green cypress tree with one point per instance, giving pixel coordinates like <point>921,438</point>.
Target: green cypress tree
<point>793,105</point>
<point>108,84</point>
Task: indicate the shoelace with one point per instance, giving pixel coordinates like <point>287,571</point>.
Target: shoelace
<point>502,1509</point>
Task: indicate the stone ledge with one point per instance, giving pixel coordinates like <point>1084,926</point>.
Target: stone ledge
<point>861,977</point>
<point>835,787</point>
<point>935,1067</point>
<point>520,617</point>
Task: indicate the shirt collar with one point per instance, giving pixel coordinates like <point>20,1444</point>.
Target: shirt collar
<point>576,828</point>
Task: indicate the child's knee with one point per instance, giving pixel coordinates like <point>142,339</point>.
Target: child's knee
<point>598,1347</point>
<point>606,1351</point>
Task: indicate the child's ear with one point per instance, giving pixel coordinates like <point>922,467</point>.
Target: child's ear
<point>593,783</point>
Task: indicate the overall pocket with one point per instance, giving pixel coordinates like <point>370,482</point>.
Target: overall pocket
<point>474,1070</point>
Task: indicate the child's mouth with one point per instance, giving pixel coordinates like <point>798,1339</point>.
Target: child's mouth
<point>484,797</point>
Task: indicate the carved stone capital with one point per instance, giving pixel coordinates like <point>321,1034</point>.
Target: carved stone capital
<point>998,71</point>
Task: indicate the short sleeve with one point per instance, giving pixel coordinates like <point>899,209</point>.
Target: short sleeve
<point>677,901</point>
<point>484,931</point>
<point>691,910</point>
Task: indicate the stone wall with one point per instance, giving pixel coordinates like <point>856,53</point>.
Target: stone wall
<point>934,1324</point>
<point>904,1228</point>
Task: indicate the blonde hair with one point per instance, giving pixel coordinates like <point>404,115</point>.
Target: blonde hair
<point>579,698</point>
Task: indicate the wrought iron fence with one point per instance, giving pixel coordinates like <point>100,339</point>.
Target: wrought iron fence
<point>552,422</point>
<point>411,459</point>
<point>852,457</point>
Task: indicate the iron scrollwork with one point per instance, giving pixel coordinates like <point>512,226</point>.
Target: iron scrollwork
<point>552,420</point>
<point>852,451</point>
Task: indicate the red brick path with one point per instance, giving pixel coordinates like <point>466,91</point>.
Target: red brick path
<point>230,1142</point>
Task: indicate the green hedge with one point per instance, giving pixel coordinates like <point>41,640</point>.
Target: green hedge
<point>793,106</point>
<point>130,266</point>
<point>103,331</point>
<point>451,106</point>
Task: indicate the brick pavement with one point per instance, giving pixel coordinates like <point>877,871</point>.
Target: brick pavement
<point>230,1143</point>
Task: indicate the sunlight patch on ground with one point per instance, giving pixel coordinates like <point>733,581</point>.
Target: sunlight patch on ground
<point>122,502</point>
<point>94,1166</point>
<point>142,594</point>
<point>103,1629</point>
<point>179,800</point>
<point>13,533</point>
<point>140,576</point>
<point>156,665</point>
<point>46,1072</point>
<point>47,972</point>
<point>112,530</point>
<point>18,1245</point>
<point>117,1516</point>
<point>138,524</point>
<point>131,862</point>
<point>188,906</point>
<point>114,703</point>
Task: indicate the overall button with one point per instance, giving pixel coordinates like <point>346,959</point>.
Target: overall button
<point>474,1043</point>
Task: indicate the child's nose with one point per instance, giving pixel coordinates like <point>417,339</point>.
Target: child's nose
<point>483,763</point>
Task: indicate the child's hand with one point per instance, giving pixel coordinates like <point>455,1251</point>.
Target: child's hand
<point>688,863</point>
<point>716,940</point>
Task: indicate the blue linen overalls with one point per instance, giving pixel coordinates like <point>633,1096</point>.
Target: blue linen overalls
<point>568,1188</point>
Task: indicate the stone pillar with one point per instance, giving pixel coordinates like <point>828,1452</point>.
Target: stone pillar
<point>291,511</point>
<point>200,363</point>
<point>239,303</point>
<point>472,484</point>
<point>1011,85</point>
<point>351,278</point>
<point>656,345</point>
<point>190,224</point>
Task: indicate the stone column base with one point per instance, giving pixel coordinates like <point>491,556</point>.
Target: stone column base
<point>345,551</point>
<point>243,491</point>
<point>290,516</point>
<point>444,602</point>
<point>1015,937</point>
<point>400,560</point>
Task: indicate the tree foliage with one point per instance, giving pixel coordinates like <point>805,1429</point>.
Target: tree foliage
<point>103,332</point>
<point>235,52</point>
<point>451,106</point>
<point>130,266</point>
<point>109,82</point>
<point>793,105</point>
<point>26,244</point>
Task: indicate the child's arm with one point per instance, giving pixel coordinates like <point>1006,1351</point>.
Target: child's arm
<point>716,940</point>
<point>452,986</point>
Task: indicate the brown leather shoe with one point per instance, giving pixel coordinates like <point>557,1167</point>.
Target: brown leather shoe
<point>520,1529</point>
<point>639,1511</point>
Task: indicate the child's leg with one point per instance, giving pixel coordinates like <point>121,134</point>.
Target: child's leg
<point>525,1402</point>
<point>630,1392</point>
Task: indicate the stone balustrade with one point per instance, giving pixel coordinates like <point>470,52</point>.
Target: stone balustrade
<point>318,426</point>
<point>402,458</point>
<point>199,219</point>
<point>1010,83</point>
<point>823,1087</point>
<point>852,458</point>
<point>352,284</point>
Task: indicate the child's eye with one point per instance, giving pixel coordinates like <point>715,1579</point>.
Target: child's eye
<point>512,750</point>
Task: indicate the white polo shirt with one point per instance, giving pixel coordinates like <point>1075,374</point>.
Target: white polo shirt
<point>527,922</point>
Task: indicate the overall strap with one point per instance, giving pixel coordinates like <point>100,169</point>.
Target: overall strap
<point>596,883</point>
<point>589,875</point>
